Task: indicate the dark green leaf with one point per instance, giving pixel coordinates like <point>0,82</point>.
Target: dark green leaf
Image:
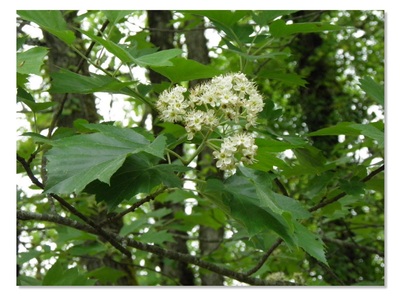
<point>237,198</point>
<point>287,78</point>
<point>31,61</point>
<point>138,174</point>
<point>311,158</point>
<point>51,21</point>
<point>75,161</point>
<point>352,129</point>
<point>106,275</point>
<point>310,242</point>
<point>280,29</point>
<point>186,70</point>
<point>66,81</point>
<point>156,237</point>
<point>373,89</point>
<point>352,187</point>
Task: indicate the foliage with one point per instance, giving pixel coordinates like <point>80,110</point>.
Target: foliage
<point>292,212</point>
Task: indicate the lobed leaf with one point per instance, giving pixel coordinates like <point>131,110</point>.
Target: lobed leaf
<point>76,161</point>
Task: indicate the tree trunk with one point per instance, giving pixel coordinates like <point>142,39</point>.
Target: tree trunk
<point>209,237</point>
<point>162,36</point>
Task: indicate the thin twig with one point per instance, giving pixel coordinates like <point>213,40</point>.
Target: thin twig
<point>264,258</point>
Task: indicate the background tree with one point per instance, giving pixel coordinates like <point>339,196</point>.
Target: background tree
<point>140,191</point>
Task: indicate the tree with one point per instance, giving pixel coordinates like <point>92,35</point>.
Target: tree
<point>228,166</point>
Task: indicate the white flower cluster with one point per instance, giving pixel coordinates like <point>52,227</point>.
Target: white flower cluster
<point>235,149</point>
<point>225,100</point>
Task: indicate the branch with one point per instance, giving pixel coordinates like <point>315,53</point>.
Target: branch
<point>23,215</point>
<point>343,194</point>
<point>264,258</point>
<point>346,244</point>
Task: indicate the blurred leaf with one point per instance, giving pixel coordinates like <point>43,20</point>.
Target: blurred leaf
<point>106,275</point>
<point>310,158</point>
<point>287,78</point>
<point>36,107</point>
<point>353,187</point>
<point>60,275</point>
<point>31,61</point>
<point>186,70</point>
<point>156,237</point>
<point>262,18</point>
<point>352,129</point>
<point>51,21</point>
<point>159,58</point>
<point>26,256</point>
<point>114,16</point>
<point>280,29</point>
<point>23,280</point>
<point>373,89</point>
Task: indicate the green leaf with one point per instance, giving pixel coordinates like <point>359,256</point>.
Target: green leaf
<point>264,17</point>
<point>352,187</point>
<point>159,59</point>
<point>225,17</point>
<point>112,47</point>
<point>31,61</point>
<point>237,198</point>
<point>186,70</point>
<point>353,129</point>
<point>106,275</point>
<point>66,81</point>
<point>26,256</point>
<point>50,20</point>
<point>373,89</point>
<point>311,158</point>
<point>36,107</point>
<point>156,237</point>
<point>258,57</point>
<point>76,161</point>
<point>139,174</point>
<point>114,16</point>
<point>60,275</point>
<point>23,280</point>
<point>287,78</point>
<point>310,242</point>
<point>280,29</point>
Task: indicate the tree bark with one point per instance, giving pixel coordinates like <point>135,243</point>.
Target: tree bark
<point>158,21</point>
<point>210,238</point>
